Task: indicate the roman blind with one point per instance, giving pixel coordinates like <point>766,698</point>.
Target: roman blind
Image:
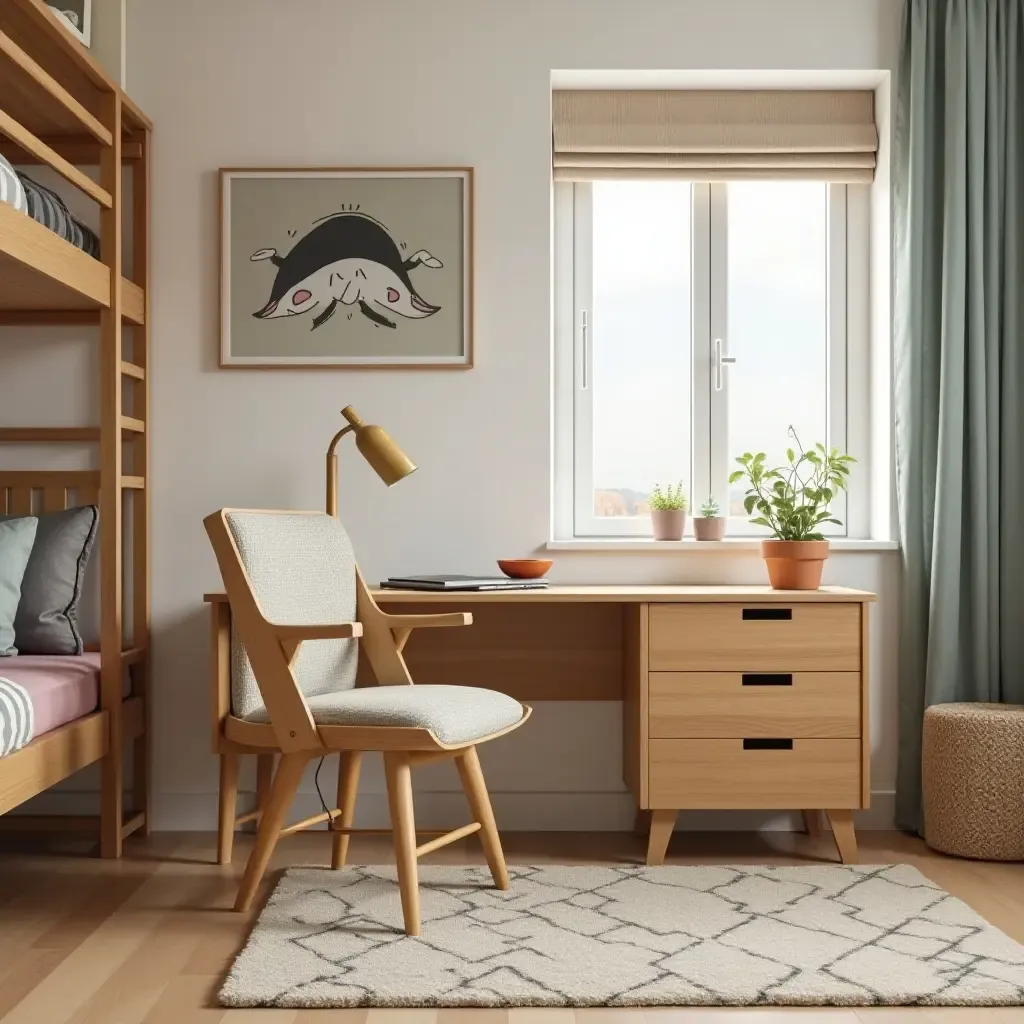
<point>709,135</point>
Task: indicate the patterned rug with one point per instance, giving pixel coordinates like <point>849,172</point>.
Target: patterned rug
<point>625,936</point>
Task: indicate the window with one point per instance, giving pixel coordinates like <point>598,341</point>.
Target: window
<point>694,322</point>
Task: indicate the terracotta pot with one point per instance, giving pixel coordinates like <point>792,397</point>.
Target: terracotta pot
<point>794,564</point>
<point>668,524</point>
<point>709,527</point>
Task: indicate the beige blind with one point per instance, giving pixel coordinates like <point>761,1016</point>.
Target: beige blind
<point>714,135</point>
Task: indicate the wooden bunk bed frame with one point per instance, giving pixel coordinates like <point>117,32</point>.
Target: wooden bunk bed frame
<point>60,109</point>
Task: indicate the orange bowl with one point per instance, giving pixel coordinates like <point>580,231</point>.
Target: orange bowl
<point>524,568</point>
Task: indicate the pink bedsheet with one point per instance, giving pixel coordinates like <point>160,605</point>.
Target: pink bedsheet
<point>62,687</point>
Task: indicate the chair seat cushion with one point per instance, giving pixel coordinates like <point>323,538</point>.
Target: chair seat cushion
<point>454,714</point>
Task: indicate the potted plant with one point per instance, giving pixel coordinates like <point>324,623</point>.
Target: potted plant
<point>709,525</point>
<point>793,502</point>
<point>668,512</point>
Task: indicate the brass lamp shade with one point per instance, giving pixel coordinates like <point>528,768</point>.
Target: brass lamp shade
<point>389,462</point>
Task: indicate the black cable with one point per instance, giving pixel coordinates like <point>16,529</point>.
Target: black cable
<point>323,803</point>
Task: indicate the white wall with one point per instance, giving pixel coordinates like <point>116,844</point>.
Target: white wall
<point>397,82</point>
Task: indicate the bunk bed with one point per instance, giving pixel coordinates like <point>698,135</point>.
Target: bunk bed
<point>59,109</point>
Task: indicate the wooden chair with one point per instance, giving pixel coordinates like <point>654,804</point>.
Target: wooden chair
<point>298,604</point>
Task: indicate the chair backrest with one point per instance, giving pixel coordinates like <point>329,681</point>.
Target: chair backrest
<point>302,571</point>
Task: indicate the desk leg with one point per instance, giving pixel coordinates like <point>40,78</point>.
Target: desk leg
<point>662,824</point>
<point>844,835</point>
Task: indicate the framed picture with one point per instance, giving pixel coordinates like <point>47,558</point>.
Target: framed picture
<point>365,267</point>
<point>75,16</point>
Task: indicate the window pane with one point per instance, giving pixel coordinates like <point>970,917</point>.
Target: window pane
<point>777,319</point>
<point>640,330</point>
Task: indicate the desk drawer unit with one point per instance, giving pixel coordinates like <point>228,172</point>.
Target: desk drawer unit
<point>755,706</point>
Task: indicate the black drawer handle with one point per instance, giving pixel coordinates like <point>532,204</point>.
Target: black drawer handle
<point>767,678</point>
<point>767,744</point>
<point>761,614</point>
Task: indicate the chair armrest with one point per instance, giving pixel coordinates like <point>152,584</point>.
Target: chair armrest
<point>326,631</point>
<point>419,621</point>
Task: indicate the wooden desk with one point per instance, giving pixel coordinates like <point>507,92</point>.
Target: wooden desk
<point>733,697</point>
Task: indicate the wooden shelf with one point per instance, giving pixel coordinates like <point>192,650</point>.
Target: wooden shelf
<point>42,64</point>
<point>40,271</point>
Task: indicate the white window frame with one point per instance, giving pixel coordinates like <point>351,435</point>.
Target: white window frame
<point>847,358</point>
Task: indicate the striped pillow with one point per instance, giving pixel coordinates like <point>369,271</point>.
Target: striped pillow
<point>11,189</point>
<point>48,208</point>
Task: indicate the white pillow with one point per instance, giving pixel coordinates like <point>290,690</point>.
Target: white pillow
<point>11,189</point>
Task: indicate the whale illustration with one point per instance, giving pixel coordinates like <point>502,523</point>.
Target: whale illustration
<point>347,258</point>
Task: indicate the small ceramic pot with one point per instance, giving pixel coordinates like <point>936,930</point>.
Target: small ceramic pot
<point>709,527</point>
<point>794,564</point>
<point>668,524</point>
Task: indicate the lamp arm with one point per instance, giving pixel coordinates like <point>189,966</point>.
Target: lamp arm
<point>337,437</point>
<point>331,504</point>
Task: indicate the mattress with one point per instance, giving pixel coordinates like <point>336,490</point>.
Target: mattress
<point>45,206</point>
<point>42,692</point>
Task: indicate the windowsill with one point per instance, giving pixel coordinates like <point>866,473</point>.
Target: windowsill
<point>729,546</point>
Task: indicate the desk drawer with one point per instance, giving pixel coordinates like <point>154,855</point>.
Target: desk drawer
<point>723,774</point>
<point>718,705</point>
<point>755,638</point>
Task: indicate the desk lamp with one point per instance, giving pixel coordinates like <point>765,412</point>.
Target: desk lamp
<point>389,462</point>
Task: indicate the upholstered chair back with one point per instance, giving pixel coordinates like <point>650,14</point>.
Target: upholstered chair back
<point>303,572</point>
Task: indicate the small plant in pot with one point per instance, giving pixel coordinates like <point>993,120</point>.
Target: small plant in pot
<point>709,525</point>
<point>793,502</point>
<point>668,512</point>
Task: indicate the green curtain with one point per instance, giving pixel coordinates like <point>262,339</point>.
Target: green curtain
<point>959,364</point>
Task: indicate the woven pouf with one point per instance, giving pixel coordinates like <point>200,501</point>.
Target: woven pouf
<point>973,780</point>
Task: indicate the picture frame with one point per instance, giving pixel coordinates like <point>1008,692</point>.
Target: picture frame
<point>75,16</point>
<point>355,268</point>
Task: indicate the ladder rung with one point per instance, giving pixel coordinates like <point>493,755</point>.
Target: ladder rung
<point>133,483</point>
<point>132,823</point>
<point>132,655</point>
<point>49,434</point>
<point>131,370</point>
<point>135,426</point>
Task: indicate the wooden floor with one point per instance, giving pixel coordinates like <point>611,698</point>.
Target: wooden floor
<point>146,940</point>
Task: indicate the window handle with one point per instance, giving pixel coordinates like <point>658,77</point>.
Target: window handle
<point>720,361</point>
<point>585,340</point>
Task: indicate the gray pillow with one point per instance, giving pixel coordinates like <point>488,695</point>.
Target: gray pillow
<point>16,537</point>
<point>47,621</point>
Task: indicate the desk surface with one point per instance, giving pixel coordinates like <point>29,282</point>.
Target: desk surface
<point>626,594</point>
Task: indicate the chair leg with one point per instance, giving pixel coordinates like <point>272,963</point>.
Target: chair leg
<point>473,783</point>
<point>403,826</point>
<point>227,806</point>
<point>286,782</point>
<point>264,779</point>
<point>348,782</point>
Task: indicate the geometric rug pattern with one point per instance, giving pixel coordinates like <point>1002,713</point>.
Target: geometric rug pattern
<point>625,936</point>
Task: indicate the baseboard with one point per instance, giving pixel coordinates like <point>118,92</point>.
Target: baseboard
<point>516,812</point>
